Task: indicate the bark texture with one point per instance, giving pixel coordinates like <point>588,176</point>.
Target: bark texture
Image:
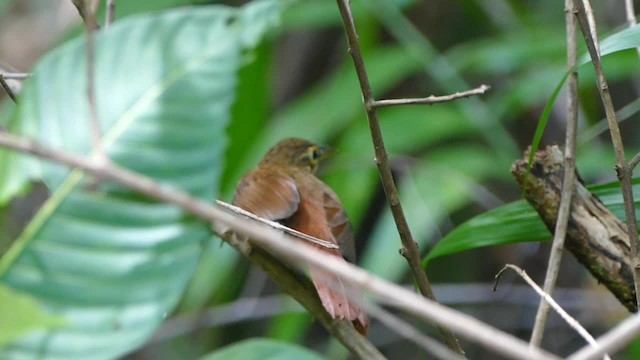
<point>595,236</point>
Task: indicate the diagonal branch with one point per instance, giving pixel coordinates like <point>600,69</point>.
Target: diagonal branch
<point>7,88</point>
<point>544,296</point>
<point>285,246</point>
<point>409,246</point>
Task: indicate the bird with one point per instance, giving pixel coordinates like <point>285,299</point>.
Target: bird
<point>284,188</point>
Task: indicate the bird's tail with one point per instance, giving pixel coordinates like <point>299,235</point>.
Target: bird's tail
<point>340,299</point>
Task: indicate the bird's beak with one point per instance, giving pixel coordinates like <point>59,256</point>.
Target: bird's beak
<point>326,151</point>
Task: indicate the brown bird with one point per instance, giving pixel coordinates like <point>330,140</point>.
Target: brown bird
<point>284,188</point>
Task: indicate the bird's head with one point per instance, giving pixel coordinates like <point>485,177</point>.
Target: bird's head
<point>296,152</point>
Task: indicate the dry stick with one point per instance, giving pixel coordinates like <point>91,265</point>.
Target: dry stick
<point>409,246</point>
<point>110,17</point>
<point>7,88</point>
<point>91,26</point>
<point>613,340</point>
<point>15,76</point>
<point>546,297</point>
<point>634,162</point>
<point>564,210</point>
<point>276,225</point>
<point>430,99</point>
<point>406,330</point>
<point>277,242</point>
<point>623,171</point>
<point>631,16</point>
<point>86,13</point>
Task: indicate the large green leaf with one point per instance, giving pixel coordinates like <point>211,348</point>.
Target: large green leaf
<point>517,222</point>
<point>262,349</point>
<point>109,262</point>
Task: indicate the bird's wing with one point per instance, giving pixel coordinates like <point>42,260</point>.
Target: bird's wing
<point>339,222</point>
<point>269,193</point>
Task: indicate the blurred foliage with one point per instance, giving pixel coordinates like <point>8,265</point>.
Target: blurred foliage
<point>451,161</point>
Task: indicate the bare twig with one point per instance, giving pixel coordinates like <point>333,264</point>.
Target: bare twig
<point>276,225</point>
<point>86,8</point>
<point>7,88</point>
<point>409,332</point>
<point>278,243</point>
<point>557,247</point>
<point>613,340</point>
<point>430,99</point>
<point>631,16</point>
<point>546,297</point>
<point>110,17</point>
<point>15,76</point>
<point>87,13</point>
<point>623,171</point>
<point>630,12</point>
<point>410,247</point>
<point>634,162</point>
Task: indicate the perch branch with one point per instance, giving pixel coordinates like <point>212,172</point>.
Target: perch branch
<point>409,246</point>
<point>624,172</point>
<point>278,243</point>
<point>429,99</point>
<point>546,297</point>
<point>560,232</point>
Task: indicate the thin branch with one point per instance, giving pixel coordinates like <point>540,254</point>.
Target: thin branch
<point>7,88</point>
<point>15,76</point>
<point>634,162</point>
<point>564,210</point>
<point>630,12</point>
<point>623,171</point>
<point>91,24</point>
<point>409,246</point>
<point>409,332</point>
<point>278,243</point>
<point>276,225</point>
<point>110,17</point>
<point>430,99</point>
<point>87,13</point>
<point>631,16</point>
<point>546,297</point>
<point>613,340</point>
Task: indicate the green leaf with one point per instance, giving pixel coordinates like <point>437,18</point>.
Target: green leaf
<point>517,222</point>
<point>20,314</point>
<point>628,38</point>
<point>113,264</point>
<point>262,349</point>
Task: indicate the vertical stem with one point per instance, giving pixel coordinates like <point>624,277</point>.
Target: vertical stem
<point>623,170</point>
<point>410,247</point>
<point>111,13</point>
<point>564,209</point>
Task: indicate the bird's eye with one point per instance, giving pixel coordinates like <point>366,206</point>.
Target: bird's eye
<point>315,153</point>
